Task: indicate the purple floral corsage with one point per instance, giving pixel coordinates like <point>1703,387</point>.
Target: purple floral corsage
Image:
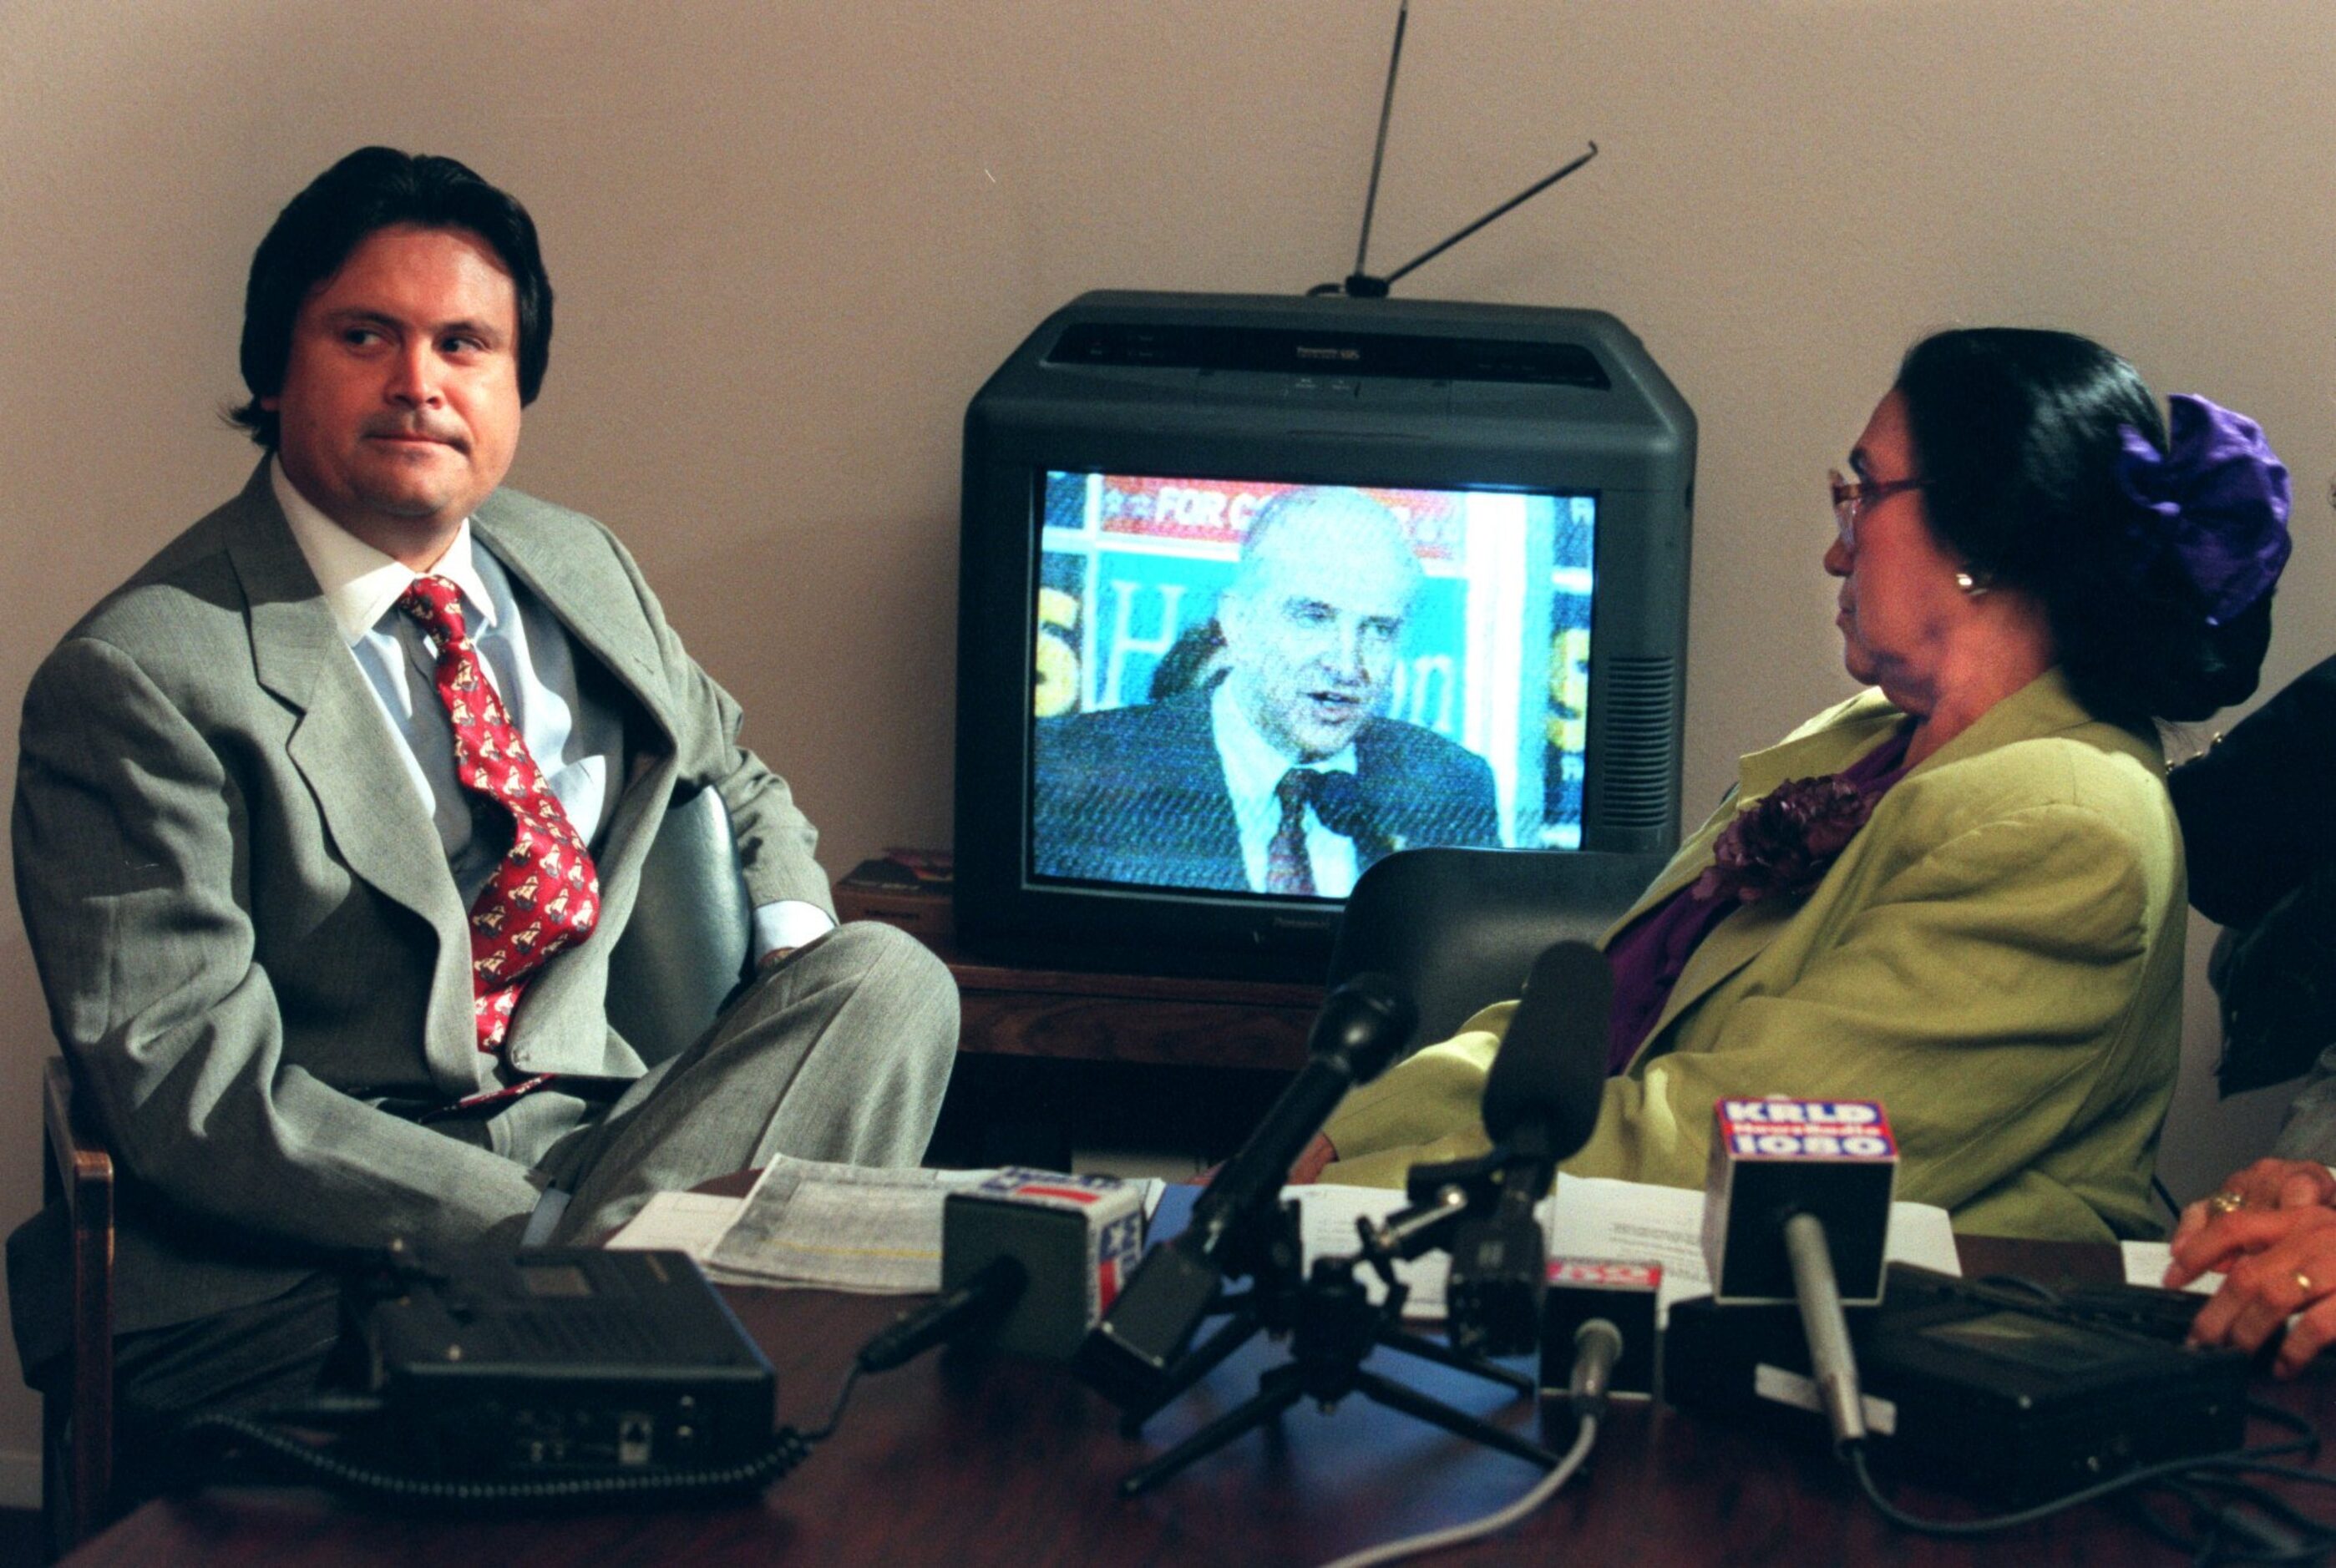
<point>1784,844</point>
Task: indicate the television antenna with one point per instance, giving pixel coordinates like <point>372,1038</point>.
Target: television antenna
<point>1359,283</point>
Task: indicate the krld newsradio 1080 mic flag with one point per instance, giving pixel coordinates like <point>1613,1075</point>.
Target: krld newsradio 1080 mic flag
<point>1796,1208</point>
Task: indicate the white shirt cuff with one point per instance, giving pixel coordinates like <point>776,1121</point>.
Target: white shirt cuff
<point>790,923</point>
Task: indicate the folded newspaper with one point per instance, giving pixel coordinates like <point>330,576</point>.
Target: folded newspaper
<point>811,1223</point>
<point>842,1226</point>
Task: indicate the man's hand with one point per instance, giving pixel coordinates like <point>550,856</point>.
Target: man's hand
<point>779,955</point>
<point>2279,1264</point>
<point>2268,1183</point>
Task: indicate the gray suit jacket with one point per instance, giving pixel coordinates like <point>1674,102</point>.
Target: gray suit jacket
<point>247,934</point>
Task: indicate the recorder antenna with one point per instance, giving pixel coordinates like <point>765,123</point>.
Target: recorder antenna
<point>1359,283</point>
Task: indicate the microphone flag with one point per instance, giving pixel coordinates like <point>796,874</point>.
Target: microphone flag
<point>1835,1159</point>
<point>1078,1236</point>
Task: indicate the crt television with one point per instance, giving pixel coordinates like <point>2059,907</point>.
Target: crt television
<point>1139,653</point>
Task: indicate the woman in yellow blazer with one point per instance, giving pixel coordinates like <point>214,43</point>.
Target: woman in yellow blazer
<point>1960,892</point>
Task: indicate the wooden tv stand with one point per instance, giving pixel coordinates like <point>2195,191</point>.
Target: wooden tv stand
<point>1162,1020</point>
<point>1053,1059</point>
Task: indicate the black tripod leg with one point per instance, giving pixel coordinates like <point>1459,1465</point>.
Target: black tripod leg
<point>1428,1350</point>
<point>1396,1397</point>
<point>1230,1336</point>
<point>1277,1391</point>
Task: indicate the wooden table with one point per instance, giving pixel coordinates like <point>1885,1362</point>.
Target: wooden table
<point>964,1460</point>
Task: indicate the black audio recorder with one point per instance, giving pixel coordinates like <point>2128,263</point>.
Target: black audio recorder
<point>567,1362</point>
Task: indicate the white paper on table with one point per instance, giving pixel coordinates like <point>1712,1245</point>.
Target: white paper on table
<point>811,1223</point>
<point>1593,1217</point>
<point>2145,1263</point>
<point>679,1222</point>
<point>841,1226</point>
<point>691,1222</point>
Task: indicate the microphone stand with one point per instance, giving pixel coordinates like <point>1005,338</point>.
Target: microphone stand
<point>1334,1327</point>
<point>1263,1246</point>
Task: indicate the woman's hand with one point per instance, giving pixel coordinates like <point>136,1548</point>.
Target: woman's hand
<point>2278,1263</point>
<point>1303,1170</point>
<point>2268,1183</point>
<point>1308,1165</point>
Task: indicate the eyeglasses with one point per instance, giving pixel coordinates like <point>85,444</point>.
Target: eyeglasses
<point>1850,498</point>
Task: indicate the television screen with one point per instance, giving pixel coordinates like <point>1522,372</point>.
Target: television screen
<point>1255,687</point>
<point>1257,592</point>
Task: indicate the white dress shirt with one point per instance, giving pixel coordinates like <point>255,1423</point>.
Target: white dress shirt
<point>578,741</point>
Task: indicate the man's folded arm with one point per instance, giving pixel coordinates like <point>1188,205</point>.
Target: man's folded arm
<point>133,868</point>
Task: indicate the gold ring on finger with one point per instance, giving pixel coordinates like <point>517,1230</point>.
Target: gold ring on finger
<point>2226,1202</point>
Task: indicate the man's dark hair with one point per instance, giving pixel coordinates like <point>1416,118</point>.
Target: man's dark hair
<point>378,188</point>
<point>2017,438</point>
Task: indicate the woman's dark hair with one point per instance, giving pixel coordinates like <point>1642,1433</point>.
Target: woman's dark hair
<point>2017,437</point>
<point>372,189</point>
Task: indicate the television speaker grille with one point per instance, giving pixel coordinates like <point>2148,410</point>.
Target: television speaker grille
<point>1638,776</point>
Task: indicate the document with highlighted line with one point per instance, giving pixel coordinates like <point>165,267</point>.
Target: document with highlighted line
<point>845,1227</point>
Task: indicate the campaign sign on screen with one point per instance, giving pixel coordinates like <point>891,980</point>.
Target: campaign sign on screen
<point>1263,688</point>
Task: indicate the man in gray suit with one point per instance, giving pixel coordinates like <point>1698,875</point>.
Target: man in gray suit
<point>290,928</point>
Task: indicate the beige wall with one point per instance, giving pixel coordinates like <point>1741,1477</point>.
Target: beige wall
<point>789,239</point>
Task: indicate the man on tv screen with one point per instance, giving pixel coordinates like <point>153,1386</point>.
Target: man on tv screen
<point>1276,771</point>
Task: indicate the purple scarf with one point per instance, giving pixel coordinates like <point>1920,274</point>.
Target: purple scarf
<point>1783,844</point>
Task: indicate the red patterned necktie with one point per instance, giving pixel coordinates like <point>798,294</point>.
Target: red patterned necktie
<point>1286,867</point>
<point>543,894</point>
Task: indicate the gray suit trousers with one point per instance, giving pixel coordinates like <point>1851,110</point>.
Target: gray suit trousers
<point>840,1053</point>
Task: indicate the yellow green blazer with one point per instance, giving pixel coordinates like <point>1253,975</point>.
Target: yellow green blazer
<point>1997,957</point>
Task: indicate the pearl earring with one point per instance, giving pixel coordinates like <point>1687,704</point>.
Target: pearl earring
<point>1969,585</point>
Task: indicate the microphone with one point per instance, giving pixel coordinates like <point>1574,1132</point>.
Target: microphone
<point>983,1297</point>
<point>1544,1093</point>
<point>1796,1208</point>
<point>1076,1237</point>
<point>1361,1026</point>
<point>1346,809</point>
<point>1598,1346</point>
<point>1623,1295</point>
<point>1541,1104</point>
<point>1029,1259</point>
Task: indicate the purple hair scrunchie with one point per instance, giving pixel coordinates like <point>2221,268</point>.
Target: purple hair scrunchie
<point>2217,497</point>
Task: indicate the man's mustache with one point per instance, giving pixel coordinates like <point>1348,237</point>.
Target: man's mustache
<point>410,426</point>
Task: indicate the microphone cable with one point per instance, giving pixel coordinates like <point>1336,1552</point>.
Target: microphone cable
<point>1597,1346</point>
<point>2286,1534</point>
<point>1474,1529</point>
